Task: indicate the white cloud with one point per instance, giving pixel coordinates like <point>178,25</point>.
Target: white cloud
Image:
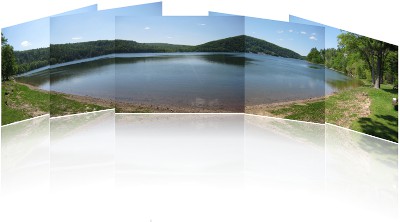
<point>313,33</point>
<point>169,37</point>
<point>25,43</point>
<point>76,38</point>
<point>279,31</point>
<point>146,28</point>
<point>290,30</point>
<point>303,32</point>
<point>202,24</point>
<point>313,38</point>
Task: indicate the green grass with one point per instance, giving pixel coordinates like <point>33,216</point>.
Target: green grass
<point>62,106</point>
<point>383,121</point>
<point>311,112</point>
<point>363,109</point>
<point>342,110</point>
<point>19,102</point>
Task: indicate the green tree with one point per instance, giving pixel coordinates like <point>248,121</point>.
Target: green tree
<point>391,67</point>
<point>316,56</point>
<point>373,52</point>
<point>8,64</point>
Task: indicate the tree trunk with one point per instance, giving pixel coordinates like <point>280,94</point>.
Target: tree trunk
<point>379,72</point>
<point>377,83</point>
<point>372,75</point>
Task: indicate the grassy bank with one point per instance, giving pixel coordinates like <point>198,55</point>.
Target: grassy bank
<point>61,105</point>
<point>310,112</point>
<point>363,109</point>
<point>20,102</point>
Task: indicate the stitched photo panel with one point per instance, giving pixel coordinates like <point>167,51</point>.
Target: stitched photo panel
<point>82,77</point>
<point>361,82</point>
<point>190,64</point>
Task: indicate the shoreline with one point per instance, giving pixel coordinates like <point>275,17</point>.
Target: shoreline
<point>127,107</point>
<point>272,105</point>
<point>266,109</point>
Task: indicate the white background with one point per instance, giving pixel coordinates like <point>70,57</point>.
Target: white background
<point>219,200</point>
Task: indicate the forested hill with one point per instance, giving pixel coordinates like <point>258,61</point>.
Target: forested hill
<point>60,53</point>
<point>232,44</point>
<point>127,46</point>
<point>255,45</point>
<point>31,59</point>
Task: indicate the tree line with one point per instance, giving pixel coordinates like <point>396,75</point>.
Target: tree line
<point>17,62</point>
<point>360,57</point>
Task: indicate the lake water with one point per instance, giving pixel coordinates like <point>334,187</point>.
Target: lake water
<point>193,80</point>
<point>271,79</point>
<point>336,82</point>
<point>205,80</point>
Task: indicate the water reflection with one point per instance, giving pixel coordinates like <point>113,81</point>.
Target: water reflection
<point>235,59</point>
<point>40,79</point>
<point>92,78</point>
<point>25,155</point>
<point>362,172</point>
<point>337,81</point>
<point>82,150</point>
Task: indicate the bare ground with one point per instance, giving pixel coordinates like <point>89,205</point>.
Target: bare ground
<point>356,108</point>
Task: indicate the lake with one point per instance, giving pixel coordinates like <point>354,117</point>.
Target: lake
<point>195,80</point>
<point>271,79</point>
<point>202,80</point>
<point>336,81</point>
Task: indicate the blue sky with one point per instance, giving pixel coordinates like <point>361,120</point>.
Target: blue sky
<point>330,32</point>
<point>30,35</point>
<point>297,37</point>
<point>95,26</point>
<point>72,28</point>
<point>188,30</point>
<point>35,34</point>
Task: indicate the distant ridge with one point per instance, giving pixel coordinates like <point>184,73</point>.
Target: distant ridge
<point>255,45</point>
<point>61,53</point>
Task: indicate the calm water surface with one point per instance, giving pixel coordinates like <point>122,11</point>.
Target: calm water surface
<point>192,79</point>
<point>182,79</point>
